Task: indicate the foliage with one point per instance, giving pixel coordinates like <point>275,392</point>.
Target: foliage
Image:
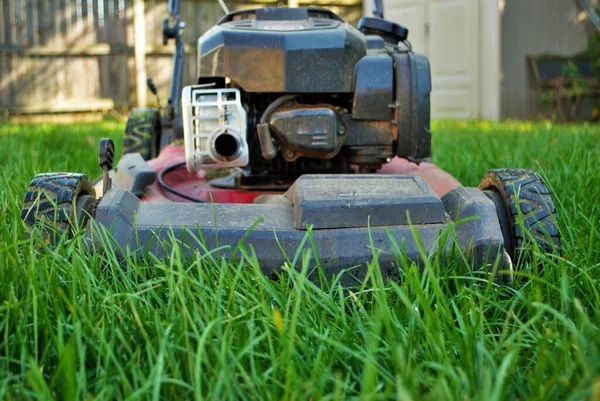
<point>572,86</point>
<point>78,325</point>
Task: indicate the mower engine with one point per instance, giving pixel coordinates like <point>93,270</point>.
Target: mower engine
<point>290,91</point>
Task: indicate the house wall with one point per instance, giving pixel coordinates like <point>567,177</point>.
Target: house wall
<point>531,27</point>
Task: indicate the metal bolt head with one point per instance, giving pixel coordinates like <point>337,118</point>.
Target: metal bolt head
<point>341,130</point>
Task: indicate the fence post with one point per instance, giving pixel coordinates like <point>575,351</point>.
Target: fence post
<point>139,25</point>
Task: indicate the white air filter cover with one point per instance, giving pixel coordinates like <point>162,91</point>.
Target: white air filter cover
<point>214,128</point>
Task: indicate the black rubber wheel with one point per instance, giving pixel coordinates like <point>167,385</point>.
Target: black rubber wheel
<point>142,133</point>
<point>522,195</point>
<point>59,203</point>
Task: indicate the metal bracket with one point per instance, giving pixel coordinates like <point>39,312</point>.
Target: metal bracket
<point>106,156</point>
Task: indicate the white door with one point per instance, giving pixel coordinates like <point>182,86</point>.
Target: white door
<point>453,54</point>
<point>411,14</point>
<point>447,32</point>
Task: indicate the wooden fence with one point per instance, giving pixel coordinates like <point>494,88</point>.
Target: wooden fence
<point>78,55</point>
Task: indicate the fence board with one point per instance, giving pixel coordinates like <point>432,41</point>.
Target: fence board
<point>2,21</point>
<point>17,22</point>
<point>6,22</point>
<point>4,99</point>
<point>38,22</point>
<point>30,22</point>
<point>118,64</point>
<point>77,55</point>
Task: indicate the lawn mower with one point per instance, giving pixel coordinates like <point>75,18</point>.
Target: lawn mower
<point>304,110</point>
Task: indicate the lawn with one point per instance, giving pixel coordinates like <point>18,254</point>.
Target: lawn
<point>79,326</point>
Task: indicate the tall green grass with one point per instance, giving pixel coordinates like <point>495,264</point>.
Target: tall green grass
<point>75,325</point>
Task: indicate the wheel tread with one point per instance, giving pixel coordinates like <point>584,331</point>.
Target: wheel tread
<point>142,133</point>
<point>49,201</point>
<point>526,197</point>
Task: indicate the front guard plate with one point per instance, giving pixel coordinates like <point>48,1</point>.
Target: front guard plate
<point>270,229</point>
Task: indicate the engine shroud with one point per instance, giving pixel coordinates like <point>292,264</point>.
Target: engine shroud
<point>283,50</point>
<point>320,95</point>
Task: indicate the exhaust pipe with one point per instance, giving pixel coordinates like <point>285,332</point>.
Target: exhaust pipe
<point>226,147</point>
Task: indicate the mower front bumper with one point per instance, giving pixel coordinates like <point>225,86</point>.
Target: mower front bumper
<point>351,219</point>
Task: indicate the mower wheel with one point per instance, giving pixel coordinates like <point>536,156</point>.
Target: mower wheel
<point>142,133</point>
<point>60,202</point>
<point>522,196</point>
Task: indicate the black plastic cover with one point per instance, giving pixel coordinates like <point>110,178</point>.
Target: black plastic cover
<point>280,14</point>
<point>388,30</point>
<point>308,130</point>
<point>375,42</point>
<point>267,54</point>
<point>413,110</point>
<point>373,88</point>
